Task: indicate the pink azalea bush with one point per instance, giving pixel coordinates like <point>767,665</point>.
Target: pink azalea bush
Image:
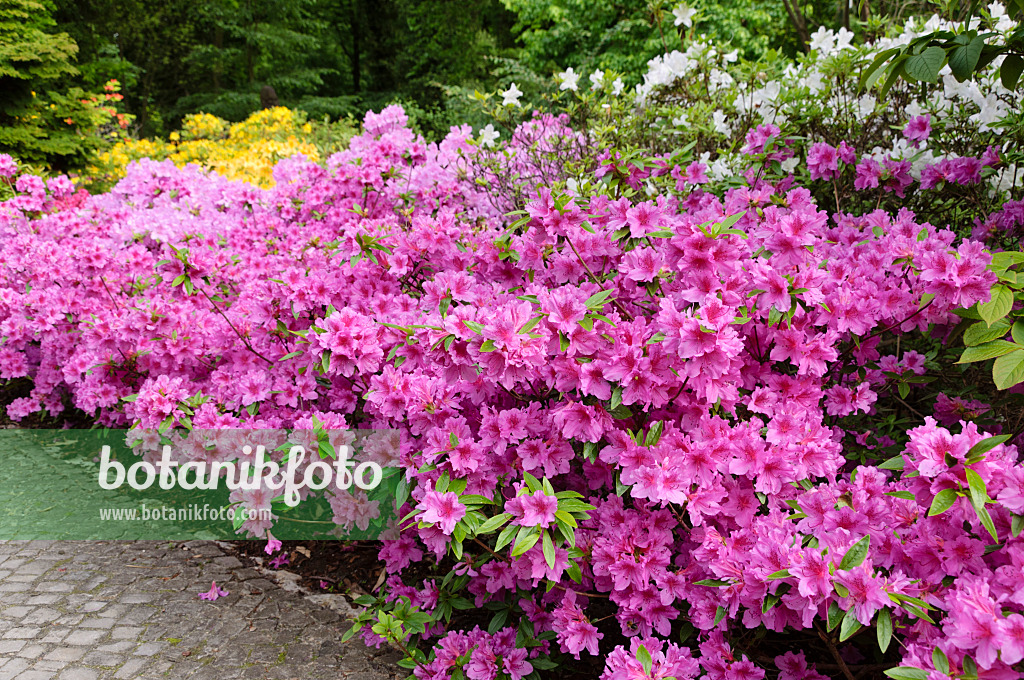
<point>655,428</point>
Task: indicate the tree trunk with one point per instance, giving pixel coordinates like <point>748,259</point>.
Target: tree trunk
<point>796,17</point>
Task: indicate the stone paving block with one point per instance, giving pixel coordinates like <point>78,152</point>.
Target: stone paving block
<point>131,669</point>
<point>66,654</point>
<point>42,615</point>
<point>98,658</point>
<point>34,674</point>
<point>10,646</point>
<point>31,651</point>
<point>85,637</point>
<point>45,665</point>
<point>149,648</point>
<point>79,674</point>
<point>12,668</point>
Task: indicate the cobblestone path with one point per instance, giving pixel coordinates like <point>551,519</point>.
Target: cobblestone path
<point>125,610</point>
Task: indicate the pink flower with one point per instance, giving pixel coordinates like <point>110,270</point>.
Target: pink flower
<point>213,593</point>
<point>918,128</point>
<point>280,561</point>
<point>866,593</point>
<point>443,509</point>
<point>823,161</point>
<point>8,168</point>
<point>538,510</point>
<point>273,545</point>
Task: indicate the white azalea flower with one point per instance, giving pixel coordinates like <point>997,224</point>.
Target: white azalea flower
<point>822,40</point>
<point>596,79</point>
<point>844,39</point>
<point>718,120</point>
<point>569,79</point>
<point>617,86</point>
<point>510,97</point>
<point>489,135</point>
<point>684,15</point>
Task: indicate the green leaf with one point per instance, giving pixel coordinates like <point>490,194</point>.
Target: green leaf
<point>781,573</point>
<point>982,332</point>
<point>498,622</point>
<point>711,582</point>
<point>883,628</point>
<point>943,501</point>
<point>979,494</point>
<point>907,673</point>
<point>894,463</point>
<point>849,626</point>
<point>1016,524</point>
<point>1008,370</point>
<point>526,539</point>
<point>835,615</point>
<point>474,326</point>
<point>530,325</point>
<point>493,523</point>
<point>871,74</point>
<point>505,537</point>
<point>1009,72</point>
<point>940,661</point>
<point>549,550</point>
<point>597,300</point>
<point>616,399</point>
<point>644,657</point>
<point>989,350</point>
<point>719,615</point>
<point>986,445</point>
<point>728,222</point>
<point>856,555</point>
<point>1017,332</point>
<point>401,493</point>
<point>654,434</point>
<point>925,66</point>
<point>964,59</point>
<point>986,521</point>
<point>998,306</point>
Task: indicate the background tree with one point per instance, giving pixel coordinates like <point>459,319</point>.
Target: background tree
<point>40,120</point>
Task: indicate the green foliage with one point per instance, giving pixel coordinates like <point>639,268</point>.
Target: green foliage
<point>997,331</point>
<point>40,120</point>
<point>966,51</point>
<point>333,58</point>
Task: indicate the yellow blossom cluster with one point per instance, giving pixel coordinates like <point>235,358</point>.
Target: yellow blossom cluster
<point>244,151</point>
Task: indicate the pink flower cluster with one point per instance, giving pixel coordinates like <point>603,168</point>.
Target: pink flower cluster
<point>704,387</point>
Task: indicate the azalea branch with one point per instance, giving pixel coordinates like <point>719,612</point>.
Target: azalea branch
<point>835,654</point>
<point>245,342</point>
<point>593,278</point>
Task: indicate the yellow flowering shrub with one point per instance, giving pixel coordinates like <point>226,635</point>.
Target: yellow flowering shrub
<point>244,151</point>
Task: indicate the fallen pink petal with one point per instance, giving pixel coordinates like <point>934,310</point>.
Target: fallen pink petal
<point>214,593</point>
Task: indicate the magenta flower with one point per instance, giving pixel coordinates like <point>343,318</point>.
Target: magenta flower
<point>538,510</point>
<point>280,561</point>
<point>273,545</point>
<point>8,167</point>
<point>919,128</point>
<point>823,161</point>
<point>443,509</point>
<point>213,593</point>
